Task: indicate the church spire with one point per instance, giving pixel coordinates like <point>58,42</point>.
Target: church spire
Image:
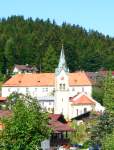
<point>62,62</point>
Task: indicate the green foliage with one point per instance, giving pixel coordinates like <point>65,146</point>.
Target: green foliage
<point>104,126</point>
<point>108,142</point>
<point>50,60</point>
<point>80,133</point>
<point>108,100</point>
<point>27,126</point>
<point>97,94</point>
<point>27,41</point>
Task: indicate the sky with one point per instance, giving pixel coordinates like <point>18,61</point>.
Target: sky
<point>90,14</point>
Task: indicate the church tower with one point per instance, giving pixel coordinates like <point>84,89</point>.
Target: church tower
<point>61,105</point>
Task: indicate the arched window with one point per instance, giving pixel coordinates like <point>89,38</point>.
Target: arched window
<point>63,86</point>
<point>60,86</point>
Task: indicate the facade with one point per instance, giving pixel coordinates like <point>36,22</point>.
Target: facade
<point>53,90</point>
<point>24,69</point>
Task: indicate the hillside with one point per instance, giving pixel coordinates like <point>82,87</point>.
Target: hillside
<point>38,42</point>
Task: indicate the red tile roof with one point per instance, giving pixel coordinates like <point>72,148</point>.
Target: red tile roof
<point>54,117</point>
<point>82,100</point>
<point>79,78</point>
<point>45,79</point>
<point>58,126</point>
<point>3,98</point>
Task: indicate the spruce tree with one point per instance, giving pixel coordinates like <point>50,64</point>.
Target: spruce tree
<point>49,62</point>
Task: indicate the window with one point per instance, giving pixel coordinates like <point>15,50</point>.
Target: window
<point>45,89</point>
<point>60,86</point>
<point>9,89</point>
<point>35,89</point>
<point>49,103</point>
<point>17,89</point>
<point>73,89</point>
<point>82,89</point>
<point>85,110</point>
<point>77,112</point>
<point>48,109</point>
<point>27,90</point>
<point>63,86</point>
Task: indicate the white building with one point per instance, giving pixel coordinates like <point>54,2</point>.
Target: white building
<point>24,69</point>
<point>57,91</point>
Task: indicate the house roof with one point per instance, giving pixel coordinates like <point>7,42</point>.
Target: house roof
<point>25,67</point>
<point>58,123</point>
<point>82,100</point>
<point>79,78</point>
<point>46,79</point>
<point>3,99</point>
<point>54,117</point>
<point>33,79</point>
<point>58,126</point>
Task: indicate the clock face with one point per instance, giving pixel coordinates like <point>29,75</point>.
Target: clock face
<point>62,78</point>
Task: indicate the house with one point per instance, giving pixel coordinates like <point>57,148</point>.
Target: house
<point>54,90</point>
<point>82,103</point>
<point>60,130</point>
<point>24,69</point>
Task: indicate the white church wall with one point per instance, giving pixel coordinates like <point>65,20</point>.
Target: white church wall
<point>33,91</point>
<point>61,94</point>
<point>74,90</point>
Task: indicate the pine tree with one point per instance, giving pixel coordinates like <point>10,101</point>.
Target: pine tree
<point>49,62</point>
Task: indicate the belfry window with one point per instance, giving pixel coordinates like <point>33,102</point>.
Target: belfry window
<point>63,86</point>
<point>60,86</point>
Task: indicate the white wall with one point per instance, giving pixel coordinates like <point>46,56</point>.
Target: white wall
<point>62,94</point>
<point>33,91</point>
<point>16,70</point>
<point>47,104</point>
<point>76,110</point>
<point>74,90</point>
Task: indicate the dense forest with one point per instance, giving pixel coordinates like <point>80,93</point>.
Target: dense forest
<point>38,42</point>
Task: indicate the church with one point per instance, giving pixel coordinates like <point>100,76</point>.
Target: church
<point>61,92</point>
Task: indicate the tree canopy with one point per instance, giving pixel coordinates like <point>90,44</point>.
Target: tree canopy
<point>27,126</point>
<point>108,100</point>
<point>27,41</point>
